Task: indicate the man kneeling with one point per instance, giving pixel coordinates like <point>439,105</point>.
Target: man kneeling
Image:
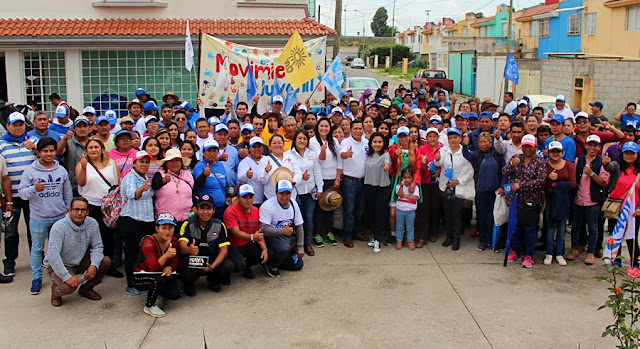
<point>75,247</point>
<point>204,236</point>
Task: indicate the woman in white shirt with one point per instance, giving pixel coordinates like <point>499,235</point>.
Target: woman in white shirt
<point>269,163</point>
<point>96,174</point>
<point>328,149</point>
<point>311,186</point>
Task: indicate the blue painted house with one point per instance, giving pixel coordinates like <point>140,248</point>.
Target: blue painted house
<point>561,30</point>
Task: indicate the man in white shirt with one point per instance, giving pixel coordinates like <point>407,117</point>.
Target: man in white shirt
<point>353,152</point>
<point>511,147</point>
<point>202,128</point>
<point>561,108</point>
<point>509,104</point>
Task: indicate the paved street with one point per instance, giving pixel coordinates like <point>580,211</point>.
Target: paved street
<point>343,298</point>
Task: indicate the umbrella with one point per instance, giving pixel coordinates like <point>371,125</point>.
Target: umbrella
<point>513,221</point>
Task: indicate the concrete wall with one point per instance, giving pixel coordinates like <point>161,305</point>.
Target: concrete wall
<point>615,83</point>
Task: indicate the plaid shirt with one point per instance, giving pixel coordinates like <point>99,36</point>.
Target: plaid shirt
<point>141,209</point>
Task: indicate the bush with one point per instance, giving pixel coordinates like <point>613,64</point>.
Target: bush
<point>399,52</point>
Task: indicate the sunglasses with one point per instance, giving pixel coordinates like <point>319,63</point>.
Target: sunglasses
<point>582,121</point>
<point>181,119</point>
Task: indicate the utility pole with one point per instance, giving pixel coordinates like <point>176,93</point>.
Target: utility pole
<point>319,13</point>
<point>337,26</point>
<point>345,21</point>
<point>506,82</point>
<point>393,34</point>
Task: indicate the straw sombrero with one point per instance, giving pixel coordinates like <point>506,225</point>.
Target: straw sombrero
<point>281,173</point>
<point>330,199</point>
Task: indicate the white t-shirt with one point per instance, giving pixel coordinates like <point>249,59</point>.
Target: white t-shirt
<point>404,204</point>
<point>273,214</point>
<point>566,112</point>
<point>510,107</point>
<point>201,141</point>
<point>355,165</point>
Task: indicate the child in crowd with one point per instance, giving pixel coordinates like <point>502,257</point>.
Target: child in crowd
<point>406,209</point>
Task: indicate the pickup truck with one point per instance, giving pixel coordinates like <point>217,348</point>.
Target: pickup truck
<point>430,77</point>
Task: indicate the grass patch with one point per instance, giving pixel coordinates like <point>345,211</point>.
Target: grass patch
<point>397,71</point>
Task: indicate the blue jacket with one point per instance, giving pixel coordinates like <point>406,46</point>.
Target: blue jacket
<point>487,168</point>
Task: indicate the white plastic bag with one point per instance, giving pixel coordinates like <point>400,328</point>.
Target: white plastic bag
<point>500,211</point>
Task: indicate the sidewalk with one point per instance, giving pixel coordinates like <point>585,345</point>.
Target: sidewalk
<point>342,298</point>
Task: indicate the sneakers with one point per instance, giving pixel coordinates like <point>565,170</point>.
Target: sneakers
<point>273,272</point>
<point>154,311</point>
<point>36,285</point>
<point>132,291</point>
<point>548,259</point>
<point>573,254</point>
<point>527,262</point>
<point>513,257</point>
<point>391,240</point>
<point>481,247</point>
<point>370,243</point>
<point>248,274</point>
<point>6,279</point>
<point>332,239</point>
<point>561,260</point>
<point>376,246</point>
<point>9,271</point>
<point>589,259</point>
<point>317,241</point>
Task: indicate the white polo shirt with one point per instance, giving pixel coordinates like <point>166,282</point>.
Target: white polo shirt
<point>355,165</point>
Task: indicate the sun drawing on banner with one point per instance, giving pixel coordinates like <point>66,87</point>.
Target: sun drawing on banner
<point>297,57</point>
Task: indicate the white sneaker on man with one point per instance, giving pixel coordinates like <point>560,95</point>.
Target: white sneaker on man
<point>370,243</point>
<point>561,260</point>
<point>548,259</point>
<point>376,246</point>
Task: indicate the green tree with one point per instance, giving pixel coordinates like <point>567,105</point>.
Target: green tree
<point>379,25</point>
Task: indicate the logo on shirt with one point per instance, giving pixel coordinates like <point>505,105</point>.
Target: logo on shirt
<point>283,223</point>
<point>50,187</point>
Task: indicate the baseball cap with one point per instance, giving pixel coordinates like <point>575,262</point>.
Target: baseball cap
<point>555,145</point>
<point>247,127</point>
<point>101,118</point>
<point>432,129</point>
<point>373,105</point>
<point>80,119</point>
<point>255,140</point>
<point>630,146</point>
<point>210,143</point>
<point>284,185</point>
<point>220,127</point>
<point>126,119</point>
<point>185,105</point>
<point>120,133</point>
<point>140,92</point>
<point>61,111</point>
<point>205,200</point>
<point>416,111</point>
<point>522,102</point>
<point>302,107</point>
<point>245,189</point>
<point>529,140</point>
<point>150,118</point>
<point>166,218</point>
<point>436,119</point>
<point>582,115</point>
<point>454,130</point>
<point>461,115</point>
<point>111,116</point>
<point>495,115</point>
<point>337,110</point>
<point>403,130</point>
<point>597,104</point>
<point>149,106</point>
<point>560,98</point>
<point>89,109</point>
<point>557,118</point>
<point>472,115</point>
<point>15,116</point>
<point>141,154</point>
<point>214,120</point>
<point>593,138</point>
<point>278,99</point>
<point>485,114</point>
<point>443,109</point>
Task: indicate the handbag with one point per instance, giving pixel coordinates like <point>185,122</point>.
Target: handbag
<point>112,203</point>
<point>611,207</point>
<point>468,190</point>
<point>528,212</point>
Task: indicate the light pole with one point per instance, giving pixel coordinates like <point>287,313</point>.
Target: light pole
<point>427,12</point>
<point>393,35</point>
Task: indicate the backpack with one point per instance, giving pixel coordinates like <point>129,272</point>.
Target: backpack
<point>112,203</point>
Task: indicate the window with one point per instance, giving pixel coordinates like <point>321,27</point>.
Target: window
<point>590,23</point>
<point>504,29</point>
<point>574,24</point>
<point>633,18</point>
<point>111,77</point>
<point>534,29</point>
<point>45,74</point>
<point>483,31</point>
<point>466,32</point>
<point>544,28</point>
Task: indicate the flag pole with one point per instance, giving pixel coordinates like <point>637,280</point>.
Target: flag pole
<point>195,75</point>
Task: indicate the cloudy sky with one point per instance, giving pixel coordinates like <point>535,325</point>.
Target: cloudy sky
<point>408,12</point>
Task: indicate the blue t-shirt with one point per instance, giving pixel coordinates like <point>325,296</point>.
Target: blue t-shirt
<point>231,165</point>
<point>192,118</point>
<point>568,147</point>
<point>626,119</point>
<point>59,128</point>
<point>212,186</point>
<point>34,136</point>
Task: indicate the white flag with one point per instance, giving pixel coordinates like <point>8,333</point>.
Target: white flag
<point>188,50</point>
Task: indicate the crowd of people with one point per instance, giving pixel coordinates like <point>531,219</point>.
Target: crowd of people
<point>181,196</point>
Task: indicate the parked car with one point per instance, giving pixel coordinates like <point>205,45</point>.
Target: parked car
<point>349,60</point>
<point>430,77</point>
<point>356,86</point>
<point>357,63</point>
<point>544,101</point>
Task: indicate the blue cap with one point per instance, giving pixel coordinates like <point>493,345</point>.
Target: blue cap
<point>213,121</point>
<point>166,218</point>
<point>101,118</point>
<point>631,146</point>
<point>403,130</point>
<point>484,114</point>
<point>61,111</point>
<point>461,115</point>
<point>321,114</point>
<point>149,106</point>
<point>120,133</point>
<point>185,105</point>
<point>557,118</point>
<point>454,130</point>
<point>474,115</point>
<point>140,92</point>
<point>597,104</point>
<point>344,94</point>
<point>374,105</point>
<point>111,116</point>
<point>284,185</point>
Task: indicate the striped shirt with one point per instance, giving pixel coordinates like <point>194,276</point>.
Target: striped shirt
<point>141,209</point>
<point>18,158</point>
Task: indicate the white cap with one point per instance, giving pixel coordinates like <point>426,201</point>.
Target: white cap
<point>284,185</point>
<point>593,138</point>
<point>214,120</point>
<point>435,118</point>
<point>302,107</point>
<point>61,111</point>
<point>81,118</point>
<point>247,126</point>
<point>255,140</point>
<point>495,115</point>
<point>403,130</point>
<point>523,102</point>
<point>245,189</point>
<point>278,98</point>
<point>337,110</point>
<point>210,143</point>
<point>142,154</point>
<point>560,98</point>
<point>555,145</point>
<point>220,127</point>
<point>581,114</point>
<point>89,109</point>
<point>529,140</point>
<point>443,108</point>
<point>15,116</point>
<point>416,111</point>
<point>433,129</point>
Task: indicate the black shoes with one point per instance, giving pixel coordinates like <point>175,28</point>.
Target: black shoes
<point>447,242</point>
<point>113,272</point>
<point>456,244</point>
<point>6,279</point>
<point>248,274</point>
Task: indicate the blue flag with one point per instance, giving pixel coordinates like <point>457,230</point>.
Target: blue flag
<point>292,97</point>
<point>276,90</point>
<point>334,78</point>
<point>236,101</point>
<point>252,84</point>
<point>511,69</point>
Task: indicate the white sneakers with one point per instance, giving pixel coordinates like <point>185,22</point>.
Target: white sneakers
<point>561,260</point>
<point>376,246</point>
<point>370,243</point>
<point>548,259</point>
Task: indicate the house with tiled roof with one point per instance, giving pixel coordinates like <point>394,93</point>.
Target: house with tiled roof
<point>88,49</point>
<point>611,28</point>
<point>528,28</point>
<point>564,33</point>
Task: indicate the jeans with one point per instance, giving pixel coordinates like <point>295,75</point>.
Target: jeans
<point>452,216</point>
<point>353,204</point>
<point>324,219</point>
<point>526,234</point>
<point>405,220</point>
<point>281,254</point>
<point>556,231</point>
<point>589,215</point>
<point>307,206</point>
<point>11,237</point>
<point>39,232</point>
<point>377,199</point>
<point>429,211</point>
<point>156,285</point>
<point>484,215</point>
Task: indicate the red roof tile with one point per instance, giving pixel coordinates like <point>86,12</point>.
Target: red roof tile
<point>159,27</point>
<point>479,21</point>
<point>538,10</point>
